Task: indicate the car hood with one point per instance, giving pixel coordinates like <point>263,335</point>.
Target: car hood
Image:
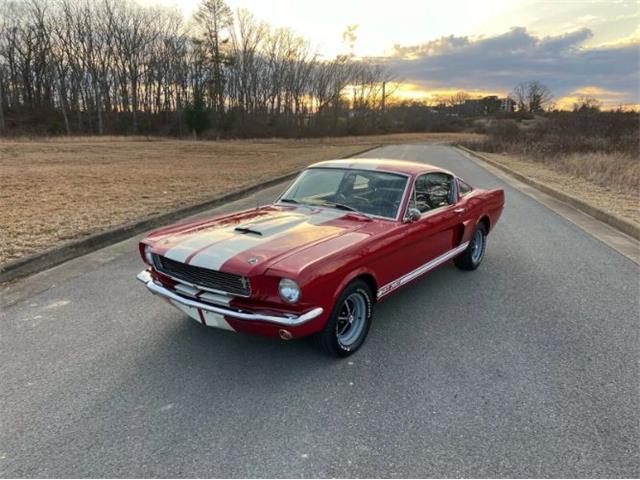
<point>250,242</point>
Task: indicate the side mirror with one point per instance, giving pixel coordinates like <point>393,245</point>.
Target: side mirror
<point>413,215</point>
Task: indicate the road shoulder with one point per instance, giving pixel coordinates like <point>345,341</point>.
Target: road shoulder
<point>606,233</point>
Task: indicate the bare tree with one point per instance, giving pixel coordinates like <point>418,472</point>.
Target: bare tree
<point>214,19</point>
<point>1,101</point>
<point>349,37</point>
<point>98,66</point>
<point>587,104</point>
<point>532,96</point>
<point>3,36</point>
<point>457,98</point>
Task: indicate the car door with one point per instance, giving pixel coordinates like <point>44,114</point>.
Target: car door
<point>421,242</point>
<point>438,229</point>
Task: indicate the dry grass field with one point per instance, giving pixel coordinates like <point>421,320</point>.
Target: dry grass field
<point>605,180</point>
<point>55,190</point>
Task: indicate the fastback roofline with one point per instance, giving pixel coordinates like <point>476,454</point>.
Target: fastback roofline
<point>390,165</point>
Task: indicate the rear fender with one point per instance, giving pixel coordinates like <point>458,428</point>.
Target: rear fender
<point>491,208</point>
<point>495,205</point>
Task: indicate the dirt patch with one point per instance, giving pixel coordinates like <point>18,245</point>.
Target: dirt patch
<point>54,190</point>
<point>621,201</point>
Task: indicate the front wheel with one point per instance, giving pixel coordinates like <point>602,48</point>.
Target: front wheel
<point>472,257</point>
<point>349,322</point>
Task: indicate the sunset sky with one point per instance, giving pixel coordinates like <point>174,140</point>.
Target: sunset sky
<point>575,47</point>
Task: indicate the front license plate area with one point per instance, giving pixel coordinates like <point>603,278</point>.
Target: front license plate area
<point>208,319</point>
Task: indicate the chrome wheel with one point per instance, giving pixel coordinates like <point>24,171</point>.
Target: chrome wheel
<point>477,246</point>
<point>351,320</point>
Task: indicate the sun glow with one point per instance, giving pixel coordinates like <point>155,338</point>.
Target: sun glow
<point>414,30</point>
<point>414,92</point>
<point>609,99</point>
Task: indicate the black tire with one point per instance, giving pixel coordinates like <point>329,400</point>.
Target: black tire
<point>329,338</point>
<point>469,259</point>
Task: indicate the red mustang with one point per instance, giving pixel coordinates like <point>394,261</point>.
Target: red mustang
<point>344,235</point>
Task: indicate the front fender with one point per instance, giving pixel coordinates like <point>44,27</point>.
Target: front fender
<point>351,276</point>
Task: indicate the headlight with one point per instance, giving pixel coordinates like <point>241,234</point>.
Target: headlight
<point>147,255</point>
<point>289,290</point>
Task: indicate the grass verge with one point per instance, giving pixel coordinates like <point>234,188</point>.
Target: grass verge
<point>60,189</point>
<point>599,179</point>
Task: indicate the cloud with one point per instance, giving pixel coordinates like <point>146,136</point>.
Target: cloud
<point>500,62</point>
<point>608,98</point>
<point>565,42</point>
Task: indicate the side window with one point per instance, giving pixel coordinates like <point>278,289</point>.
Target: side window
<point>464,188</point>
<point>434,190</point>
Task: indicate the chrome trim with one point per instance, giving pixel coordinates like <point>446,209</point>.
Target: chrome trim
<point>144,276</point>
<point>290,321</point>
<point>397,283</point>
<point>200,287</point>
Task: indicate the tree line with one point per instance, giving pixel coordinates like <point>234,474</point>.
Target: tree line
<point>114,66</point>
<point>117,67</point>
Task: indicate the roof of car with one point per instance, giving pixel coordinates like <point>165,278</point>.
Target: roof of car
<point>382,164</point>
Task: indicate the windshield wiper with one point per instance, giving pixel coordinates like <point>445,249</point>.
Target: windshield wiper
<point>293,201</point>
<point>342,206</point>
<point>327,203</point>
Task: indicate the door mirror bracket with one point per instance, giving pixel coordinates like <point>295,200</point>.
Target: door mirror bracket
<point>413,215</point>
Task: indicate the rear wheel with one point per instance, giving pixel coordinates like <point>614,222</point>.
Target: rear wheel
<point>349,322</point>
<point>472,257</point>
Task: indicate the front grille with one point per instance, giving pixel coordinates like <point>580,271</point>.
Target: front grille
<point>203,277</point>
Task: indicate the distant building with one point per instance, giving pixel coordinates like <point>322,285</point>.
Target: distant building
<point>470,108</point>
<point>490,105</point>
<point>507,105</point>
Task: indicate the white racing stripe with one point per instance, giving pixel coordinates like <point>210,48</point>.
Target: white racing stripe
<point>218,254</point>
<point>232,243</point>
<point>196,241</point>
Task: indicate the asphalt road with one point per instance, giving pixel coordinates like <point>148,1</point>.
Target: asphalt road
<point>525,367</point>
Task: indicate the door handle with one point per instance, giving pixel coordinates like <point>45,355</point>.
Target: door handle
<point>459,210</point>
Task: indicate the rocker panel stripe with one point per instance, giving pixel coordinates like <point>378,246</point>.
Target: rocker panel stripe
<point>430,265</point>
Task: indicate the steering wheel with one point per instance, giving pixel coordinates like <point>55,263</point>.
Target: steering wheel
<point>424,198</point>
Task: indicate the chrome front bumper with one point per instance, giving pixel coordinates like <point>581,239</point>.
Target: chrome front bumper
<point>285,320</point>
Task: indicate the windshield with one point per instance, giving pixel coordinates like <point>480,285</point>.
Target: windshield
<point>365,191</point>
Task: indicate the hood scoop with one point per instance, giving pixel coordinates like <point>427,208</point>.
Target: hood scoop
<point>271,225</point>
<point>244,229</point>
